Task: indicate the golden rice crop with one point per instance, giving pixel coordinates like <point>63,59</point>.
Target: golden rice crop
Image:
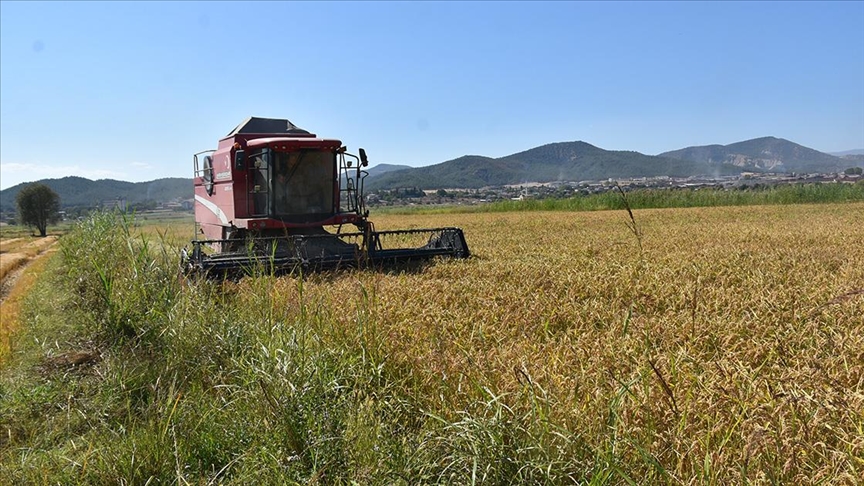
<point>730,347</point>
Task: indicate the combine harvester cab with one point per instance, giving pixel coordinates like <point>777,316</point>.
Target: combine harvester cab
<point>266,197</point>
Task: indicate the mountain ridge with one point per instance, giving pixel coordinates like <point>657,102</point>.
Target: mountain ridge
<point>764,153</point>
<point>77,191</point>
<point>847,152</point>
<point>558,161</point>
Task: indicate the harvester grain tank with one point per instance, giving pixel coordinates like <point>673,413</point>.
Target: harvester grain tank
<point>275,196</point>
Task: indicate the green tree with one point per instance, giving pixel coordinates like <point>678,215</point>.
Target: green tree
<point>38,206</point>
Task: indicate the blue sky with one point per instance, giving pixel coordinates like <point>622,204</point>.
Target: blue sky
<point>130,91</point>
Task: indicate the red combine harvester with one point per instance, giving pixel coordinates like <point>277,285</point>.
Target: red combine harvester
<point>268,194</point>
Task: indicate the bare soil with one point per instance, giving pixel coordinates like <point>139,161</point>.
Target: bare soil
<point>8,282</point>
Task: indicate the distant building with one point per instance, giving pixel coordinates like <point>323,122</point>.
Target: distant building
<point>119,203</point>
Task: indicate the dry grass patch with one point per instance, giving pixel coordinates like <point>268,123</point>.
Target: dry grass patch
<point>17,251</point>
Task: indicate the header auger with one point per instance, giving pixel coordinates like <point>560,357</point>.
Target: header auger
<point>266,197</point>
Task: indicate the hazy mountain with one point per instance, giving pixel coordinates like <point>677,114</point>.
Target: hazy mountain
<point>848,152</point>
<point>767,153</point>
<point>384,168</point>
<point>374,171</point>
<point>78,191</point>
<point>852,157</point>
<point>853,160</point>
<point>564,161</point>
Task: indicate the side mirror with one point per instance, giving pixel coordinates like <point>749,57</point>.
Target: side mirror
<point>363,160</point>
<point>239,159</point>
<point>208,174</point>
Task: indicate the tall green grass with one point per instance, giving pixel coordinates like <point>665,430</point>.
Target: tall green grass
<point>126,285</point>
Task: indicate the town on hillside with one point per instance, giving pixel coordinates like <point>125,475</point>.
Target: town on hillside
<point>410,196</point>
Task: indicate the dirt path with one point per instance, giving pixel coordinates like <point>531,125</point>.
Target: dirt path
<point>15,280</point>
<point>8,283</point>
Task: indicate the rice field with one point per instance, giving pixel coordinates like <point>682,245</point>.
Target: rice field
<point>683,346</point>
